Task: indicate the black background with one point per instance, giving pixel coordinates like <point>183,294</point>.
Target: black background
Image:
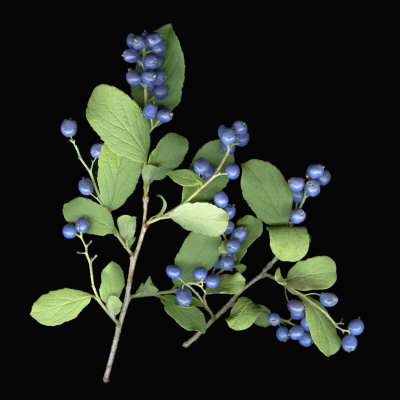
<point>306,83</point>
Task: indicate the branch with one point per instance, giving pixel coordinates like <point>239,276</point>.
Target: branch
<point>263,274</point>
<point>127,298</point>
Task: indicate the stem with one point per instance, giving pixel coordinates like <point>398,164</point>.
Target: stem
<point>263,274</point>
<point>90,262</point>
<point>127,298</point>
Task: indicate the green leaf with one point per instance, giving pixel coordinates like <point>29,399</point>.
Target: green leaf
<point>266,192</point>
<point>203,218</point>
<point>196,251</point>
<point>146,289</point>
<point>112,281</point>
<point>117,178</point>
<point>279,278</point>
<point>222,248</point>
<point>211,151</point>
<point>289,243</point>
<point>262,319</point>
<point>240,268</point>
<point>150,173</point>
<point>254,228</point>
<point>127,228</point>
<point>185,177</point>
<point>169,153</point>
<point>322,330</point>
<point>243,314</point>
<point>114,305</point>
<point>316,273</point>
<point>189,318</point>
<point>119,121</point>
<point>230,284</point>
<point>164,206</point>
<point>101,222</point>
<point>59,306</point>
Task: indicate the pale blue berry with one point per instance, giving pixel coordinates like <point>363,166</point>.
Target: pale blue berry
<point>274,319</point>
<point>282,334</point>
<point>356,327</point>
<point>349,343</point>
<point>69,231</point>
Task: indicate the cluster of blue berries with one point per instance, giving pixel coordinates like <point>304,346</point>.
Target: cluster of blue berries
<point>146,51</point>
<point>301,332</point>
<point>236,135</point>
<point>200,274</point>
<point>316,177</point>
<point>69,231</point>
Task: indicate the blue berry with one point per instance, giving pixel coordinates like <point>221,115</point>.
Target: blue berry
<point>328,299</point>
<point>230,228</point>
<point>232,245</point>
<point>305,340</point>
<point>201,165</point>
<point>233,171</point>
<point>200,273</point>
<point>138,42</point>
<point>228,137</point>
<point>221,199</point>
<point>313,188</point>
<point>173,271</point>
<point>150,88</point>
<point>297,216</point>
<point>148,77</point>
<point>282,334</point>
<point>69,127</point>
<point>85,186</point>
<point>314,171</point>
<point>216,265</point>
<point>220,129</point>
<point>295,306</point>
<point>184,296</point>
<point>296,332</point>
<point>296,184</point>
<point>144,34</point>
<point>240,233</point>
<point>274,319</point>
<point>153,39</point>
<point>325,178</point>
<point>160,92</point>
<point>164,114</point>
<point>212,281</point>
<point>298,196</point>
<point>160,77</point>
<point>130,55</point>
<point>349,343</point>
<point>151,61</point>
<point>82,225</point>
<point>95,150</point>
<point>150,110</point>
<point>304,324</point>
<point>243,140</point>
<point>160,61</point>
<point>356,327</point>
<point>208,173</point>
<point>297,315</point>
<point>159,49</point>
<point>133,77</point>
<point>226,262</point>
<point>240,127</point>
<point>231,211</point>
<point>69,231</point>
<point>224,149</point>
<point>129,40</point>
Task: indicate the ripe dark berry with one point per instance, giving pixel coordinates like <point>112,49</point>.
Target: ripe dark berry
<point>173,271</point>
<point>184,296</point>
<point>208,173</point>
<point>243,140</point>
<point>130,55</point>
<point>274,319</point>
<point>129,40</point>
<point>85,186</point>
<point>240,233</point>
<point>152,39</point>
<point>296,332</point>
<point>133,77</point>
<point>328,299</point>
<point>201,165</point>
<point>312,188</point>
<point>297,216</point>
<point>349,343</point>
<point>325,178</point>
<point>240,127</point>
<point>200,273</point>
<point>305,340</point>
<point>151,61</point>
<point>69,231</point>
<point>228,136</point>
<point>69,127</point>
<point>95,150</point>
<point>356,327</point>
<point>233,171</point>
<point>148,77</point>
<point>282,334</point>
<point>304,324</point>
<point>296,184</point>
<point>212,281</point>
<point>160,92</point>
<point>226,262</point>
<point>150,110</point>
<point>159,49</point>
<point>221,199</point>
<point>138,42</point>
<point>295,306</point>
<point>298,196</point>
<point>232,245</point>
<point>220,129</point>
<point>164,114</point>
<point>160,77</point>
<point>314,171</point>
<point>297,315</point>
<point>230,210</point>
<point>82,225</point>
<point>230,228</point>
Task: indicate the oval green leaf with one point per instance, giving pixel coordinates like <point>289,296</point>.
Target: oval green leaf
<point>230,284</point>
<point>114,305</point>
<point>185,177</point>
<point>243,314</point>
<point>127,228</point>
<point>112,281</point>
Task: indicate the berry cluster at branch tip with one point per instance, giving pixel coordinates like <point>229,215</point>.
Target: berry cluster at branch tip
<point>147,51</point>
<point>300,331</point>
<point>81,225</point>
<point>316,177</point>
